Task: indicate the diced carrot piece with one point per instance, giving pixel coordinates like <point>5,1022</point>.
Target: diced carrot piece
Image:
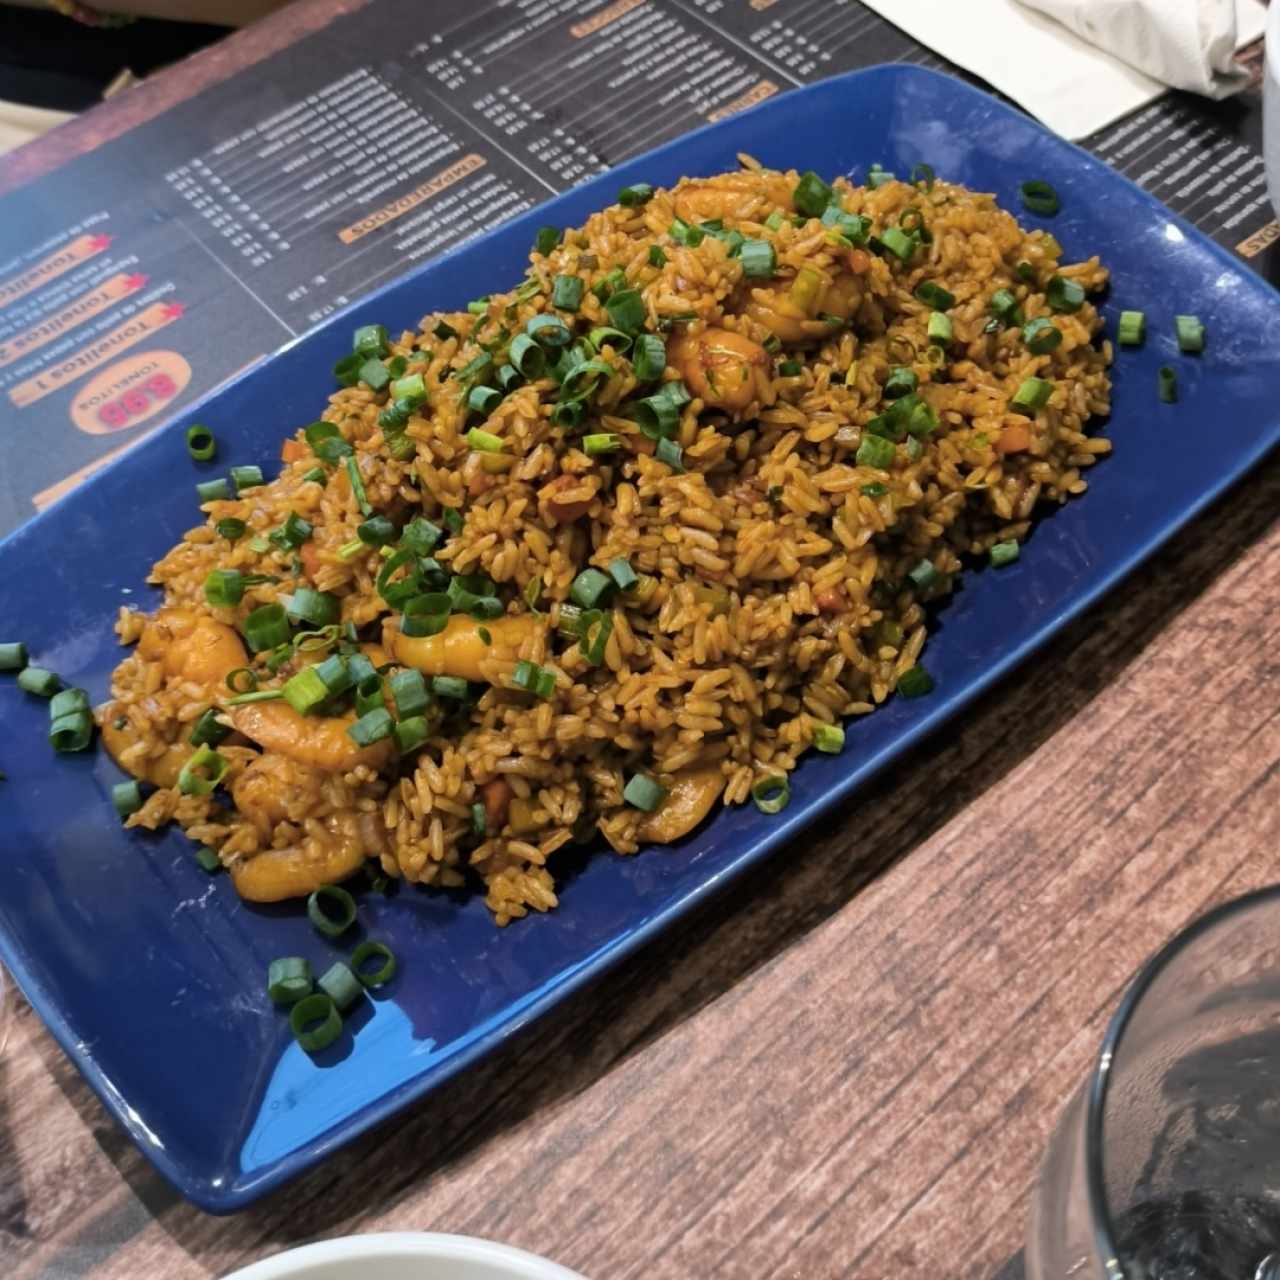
<point>309,554</point>
<point>294,450</point>
<point>1014,439</point>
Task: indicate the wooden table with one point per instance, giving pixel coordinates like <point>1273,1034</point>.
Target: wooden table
<point>848,1064</point>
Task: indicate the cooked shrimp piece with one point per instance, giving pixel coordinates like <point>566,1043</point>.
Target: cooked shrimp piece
<point>732,195</point>
<point>690,799</point>
<point>118,738</point>
<point>320,741</point>
<point>459,650</point>
<point>191,646</point>
<point>723,368</point>
<point>301,869</point>
<point>791,312</point>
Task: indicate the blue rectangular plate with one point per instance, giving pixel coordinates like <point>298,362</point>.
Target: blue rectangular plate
<point>150,974</point>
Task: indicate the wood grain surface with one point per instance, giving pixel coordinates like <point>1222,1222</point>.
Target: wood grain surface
<point>848,1064</point>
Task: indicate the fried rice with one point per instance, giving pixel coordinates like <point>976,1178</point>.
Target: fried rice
<point>743,461</point>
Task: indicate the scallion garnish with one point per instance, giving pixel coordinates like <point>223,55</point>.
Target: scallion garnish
<point>875,451</point>
<point>207,859</point>
<point>623,574</point>
<point>13,657</point>
<point>671,453</point>
<point>202,773</point>
<point>934,295</point>
<point>1131,329</point>
<point>1041,336</point>
<point>1039,197</point>
<point>899,243</point>
<point>812,195</point>
<point>127,798</point>
<point>601,442</point>
<point>566,292</point>
<point>200,442</point>
<point>315,1022</point>
<point>590,587</point>
<point>370,340</point>
<point>549,331</point>
<point>914,682</point>
<point>546,240</point>
<point>340,985</point>
<point>265,628</point>
<point>36,680</point>
<point>924,575</point>
<point>332,910</point>
<point>626,310</point>
<point>449,686</point>
<point>900,382</point>
<point>1190,334</point>
<point>657,258</point>
<point>208,730</point>
<point>248,477</point>
<point>1004,306</point>
<point>372,727</point>
<point>940,331</point>
<point>410,734</point>
<point>759,261</point>
<point>635,195</point>
<point>1031,396</point>
<point>643,793</point>
<point>1065,296</point>
<point>1002,553</point>
<point>370,950</point>
<point>288,979</point>
<point>213,491</point>
<point>829,738</point>
<point>1168,386</point>
<point>772,794</point>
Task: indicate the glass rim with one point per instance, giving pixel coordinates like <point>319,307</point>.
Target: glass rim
<point>1099,1082</point>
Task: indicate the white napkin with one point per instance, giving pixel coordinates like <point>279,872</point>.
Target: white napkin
<point>1066,82</point>
<point>1186,44</point>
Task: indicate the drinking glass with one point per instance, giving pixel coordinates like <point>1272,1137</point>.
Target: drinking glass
<point>1166,1164</point>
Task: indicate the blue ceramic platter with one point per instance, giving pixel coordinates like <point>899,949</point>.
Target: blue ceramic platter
<point>150,973</point>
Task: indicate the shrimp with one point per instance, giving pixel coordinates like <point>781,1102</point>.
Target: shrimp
<point>732,195</point>
<point>320,741</point>
<point>690,799</point>
<point>300,869</point>
<point>460,649</point>
<point>791,314</point>
<point>118,735</point>
<point>724,369</point>
<point>191,646</point>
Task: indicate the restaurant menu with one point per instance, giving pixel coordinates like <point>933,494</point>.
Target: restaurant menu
<point>140,276</point>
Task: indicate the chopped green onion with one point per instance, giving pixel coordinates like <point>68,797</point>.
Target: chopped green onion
<point>772,794</point>
<point>623,574</point>
<point>37,680</point>
<point>682,233</point>
<point>258,695</point>
<point>1002,553</point>
<point>649,359</point>
<point>266,627</point>
<point>68,702</point>
<point>934,295</point>
<point>288,979</point>
<point>1132,328</point>
<point>479,819</point>
<point>200,443</point>
<point>594,629</point>
<point>207,859</point>
<point>373,373</point>
<point>420,536</point>
<point>1168,393</point>
<point>657,258</point>
<point>13,657</point>
<point>606,335</point>
<point>230,528</point>
<point>315,1022</point>
<point>1190,334</point>
<point>295,530</point>
<point>410,734</point>
<point>397,365</point>
<point>412,388</point>
<point>213,491</point>
<point>1041,336</point>
<point>369,696</point>
<point>602,442</point>
<point>533,588</point>
<point>566,292</point>
<point>671,453</point>
<point>127,798</point>
<point>71,731</point>
<point>326,442</point>
<point>243,679</point>
<point>546,240</point>
<point>590,587</point>
<point>347,369</point>
<point>923,175</point>
<point>319,608</point>
<point>900,382</point>
<point>915,682</point>
<point>548,330</point>
<point>875,451</point>
<point>626,310</point>
<point>1065,295</point>
<point>370,340</point>
<point>924,575</point>
<point>372,727</point>
<point>1004,305</point>
<point>340,985</point>
<point>1031,396</point>
<point>449,686</point>
<point>569,622</point>
<point>899,243</point>
<point>775,220</point>
<point>367,951</point>
<point>305,691</point>
<point>790,368</point>
<point>568,414</point>
<point>812,194</point>
<point>635,195</point>
<point>334,674</point>
<point>643,793</point>
<point>875,489</point>
<point>478,306</point>
<point>246,478</point>
<point>357,486</point>
<point>829,738</point>
<point>940,330</point>
<point>509,377</point>
<point>409,692</point>
<point>208,729</point>
<point>759,261</point>
<point>657,415</point>
<point>1039,197</point>
<point>332,910</point>
<point>377,531</point>
<point>525,674</point>
<point>485,441</point>
<point>202,773</point>
<point>452,518</point>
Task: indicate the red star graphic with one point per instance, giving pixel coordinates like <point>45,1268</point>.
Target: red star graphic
<point>135,282</point>
<point>98,243</point>
<point>172,310</point>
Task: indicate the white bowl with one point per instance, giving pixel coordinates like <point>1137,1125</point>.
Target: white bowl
<point>405,1255</point>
